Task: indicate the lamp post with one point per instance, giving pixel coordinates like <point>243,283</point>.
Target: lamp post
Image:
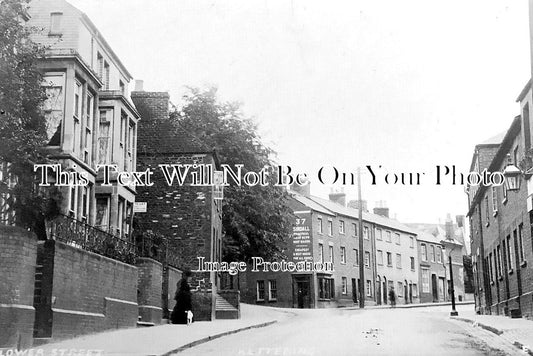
<point>452,287</point>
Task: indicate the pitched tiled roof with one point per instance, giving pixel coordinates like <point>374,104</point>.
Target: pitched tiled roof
<point>332,207</point>
<point>311,204</point>
<point>495,140</point>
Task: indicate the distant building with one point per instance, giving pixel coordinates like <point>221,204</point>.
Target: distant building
<point>436,242</point>
<point>328,231</point>
<point>433,269</point>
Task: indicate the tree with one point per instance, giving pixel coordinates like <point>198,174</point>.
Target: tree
<point>22,123</point>
<point>256,219</point>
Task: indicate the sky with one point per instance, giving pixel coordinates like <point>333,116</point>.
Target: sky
<point>405,85</point>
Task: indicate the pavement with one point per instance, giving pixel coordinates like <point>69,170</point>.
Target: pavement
<point>413,305</point>
<point>163,339</point>
<point>518,332</point>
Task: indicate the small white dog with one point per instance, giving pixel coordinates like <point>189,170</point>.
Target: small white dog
<point>189,317</point>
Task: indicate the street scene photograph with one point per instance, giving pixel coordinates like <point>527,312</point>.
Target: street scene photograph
<point>266,177</point>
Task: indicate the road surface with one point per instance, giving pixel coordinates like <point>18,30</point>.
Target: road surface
<point>416,331</point>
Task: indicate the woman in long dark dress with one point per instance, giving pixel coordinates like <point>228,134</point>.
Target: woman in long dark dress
<point>183,301</point>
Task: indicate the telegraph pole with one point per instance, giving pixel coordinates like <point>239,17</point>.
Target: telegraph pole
<point>453,312</point>
<point>361,247</point>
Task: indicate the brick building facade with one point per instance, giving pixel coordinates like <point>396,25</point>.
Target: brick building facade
<point>188,218</point>
<point>501,234</point>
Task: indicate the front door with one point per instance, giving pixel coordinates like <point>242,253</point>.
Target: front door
<point>434,287</point>
<point>301,296</point>
<point>378,292</point>
<point>442,285</point>
<point>406,292</point>
<point>385,291</point>
<point>354,290</point>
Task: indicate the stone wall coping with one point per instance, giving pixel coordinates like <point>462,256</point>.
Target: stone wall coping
<point>120,301</point>
<point>174,268</point>
<point>77,312</point>
<point>17,306</point>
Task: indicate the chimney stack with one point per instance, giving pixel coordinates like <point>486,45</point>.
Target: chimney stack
<point>139,85</point>
<point>449,227</point>
<point>354,204</point>
<point>381,208</point>
<point>460,220</point>
<point>304,190</point>
<point>338,196</point>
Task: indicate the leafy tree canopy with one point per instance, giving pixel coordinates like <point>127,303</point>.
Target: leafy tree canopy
<point>256,220</point>
<point>22,124</point>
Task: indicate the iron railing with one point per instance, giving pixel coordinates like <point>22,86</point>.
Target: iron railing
<point>79,234</point>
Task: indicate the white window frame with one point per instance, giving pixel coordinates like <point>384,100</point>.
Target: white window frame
<point>379,234</point>
<point>73,201</point>
<point>344,285</point>
<point>494,200</point>
<point>257,290</point>
<point>55,22</point>
<point>270,289</point>
<point>380,257</point>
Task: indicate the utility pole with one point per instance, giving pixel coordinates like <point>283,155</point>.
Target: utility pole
<point>361,247</point>
<point>453,312</point>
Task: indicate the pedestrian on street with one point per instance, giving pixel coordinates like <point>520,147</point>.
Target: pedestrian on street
<point>392,298</point>
<point>183,299</point>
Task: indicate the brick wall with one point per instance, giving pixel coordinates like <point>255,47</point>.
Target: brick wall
<point>203,305</point>
<point>150,286</point>
<point>248,288</point>
<point>183,214</point>
<point>18,252</point>
<point>84,292</point>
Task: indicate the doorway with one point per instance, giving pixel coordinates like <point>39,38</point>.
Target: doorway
<point>301,292</point>
<point>434,287</point>
<point>406,291</point>
<point>384,290</point>
<point>354,290</point>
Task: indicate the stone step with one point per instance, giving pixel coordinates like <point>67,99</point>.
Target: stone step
<point>223,304</point>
